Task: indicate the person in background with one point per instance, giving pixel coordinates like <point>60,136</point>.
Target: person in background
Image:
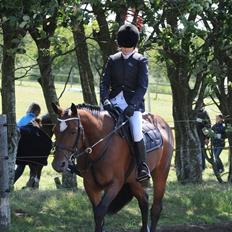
<point>203,122</point>
<point>124,84</point>
<point>218,141</point>
<point>30,117</point>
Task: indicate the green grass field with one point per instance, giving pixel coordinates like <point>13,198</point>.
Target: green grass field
<point>48,209</point>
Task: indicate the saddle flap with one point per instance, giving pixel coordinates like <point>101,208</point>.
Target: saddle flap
<point>152,136</point>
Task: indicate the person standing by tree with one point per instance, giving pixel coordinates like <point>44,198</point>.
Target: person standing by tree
<point>218,141</point>
<point>124,84</point>
<point>203,122</point>
<point>32,113</point>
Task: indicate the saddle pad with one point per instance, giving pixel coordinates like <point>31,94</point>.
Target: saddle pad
<point>152,137</point>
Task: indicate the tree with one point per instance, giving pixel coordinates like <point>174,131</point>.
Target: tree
<point>182,46</point>
<point>217,20</point>
<point>104,37</point>
<point>12,18</point>
<point>41,26</point>
<point>80,40</point>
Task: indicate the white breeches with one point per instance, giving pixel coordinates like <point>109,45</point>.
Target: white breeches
<point>135,120</point>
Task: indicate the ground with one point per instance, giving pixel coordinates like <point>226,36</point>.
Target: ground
<point>220,227</point>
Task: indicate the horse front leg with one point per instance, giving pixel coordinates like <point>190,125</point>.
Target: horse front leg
<point>101,209</point>
<point>101,203</point>
<point>142,197</point>
<point>159,183</point>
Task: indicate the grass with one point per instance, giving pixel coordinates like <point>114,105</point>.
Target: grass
<point>49,209</point>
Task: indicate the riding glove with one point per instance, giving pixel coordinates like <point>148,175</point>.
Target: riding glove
<point>129,111</point>
<point>107,105</point>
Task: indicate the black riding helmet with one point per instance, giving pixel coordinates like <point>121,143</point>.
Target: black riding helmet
<point>128,36</point>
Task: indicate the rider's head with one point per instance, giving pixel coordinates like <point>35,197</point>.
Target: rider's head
<point>128,36</point>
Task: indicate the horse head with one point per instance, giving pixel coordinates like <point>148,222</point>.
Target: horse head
<point>67,130</point>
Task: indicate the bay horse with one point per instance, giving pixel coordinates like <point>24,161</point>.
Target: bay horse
<point>106,164</point>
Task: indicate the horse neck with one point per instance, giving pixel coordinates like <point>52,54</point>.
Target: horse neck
<point>94,128</point>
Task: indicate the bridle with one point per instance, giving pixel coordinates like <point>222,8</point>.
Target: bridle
<point>80,132</point>
<point>75,151</point>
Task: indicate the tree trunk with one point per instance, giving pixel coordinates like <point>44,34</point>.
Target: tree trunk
<point>4,177</point>
<point>103,37</point>
<point>47,80</point>
<point>45,67</point>
<point>86,75</point>
<point>8,93</point>
<point>188,149</point>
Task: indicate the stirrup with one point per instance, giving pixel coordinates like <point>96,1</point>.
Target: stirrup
<point>143,172</point>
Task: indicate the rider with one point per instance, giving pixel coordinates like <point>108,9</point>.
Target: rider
<point>124,84</point>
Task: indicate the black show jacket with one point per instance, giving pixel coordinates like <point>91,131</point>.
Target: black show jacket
<point>127,75</point>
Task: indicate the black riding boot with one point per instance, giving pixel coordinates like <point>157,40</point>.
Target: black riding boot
<point>143,170</point>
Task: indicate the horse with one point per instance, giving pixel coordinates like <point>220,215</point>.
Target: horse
<point>106,164</point>
<point>33,149</point>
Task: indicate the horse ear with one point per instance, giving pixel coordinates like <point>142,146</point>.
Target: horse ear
<point>74,109</point>
<point>57,109</point>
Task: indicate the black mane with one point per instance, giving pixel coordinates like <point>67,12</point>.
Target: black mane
<point>88,107</point>
<point>93,109</point>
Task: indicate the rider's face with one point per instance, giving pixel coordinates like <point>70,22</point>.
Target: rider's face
<point>127,51</point>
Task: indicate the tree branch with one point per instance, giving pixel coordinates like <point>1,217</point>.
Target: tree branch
<point>65,85</point>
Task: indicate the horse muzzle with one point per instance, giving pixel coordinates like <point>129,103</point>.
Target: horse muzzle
<point>60,166</point>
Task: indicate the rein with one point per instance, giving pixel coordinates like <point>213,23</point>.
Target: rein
<point>89,149</point>
<point>76,154</point>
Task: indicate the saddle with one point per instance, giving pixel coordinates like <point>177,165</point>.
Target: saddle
<point>151,134</point>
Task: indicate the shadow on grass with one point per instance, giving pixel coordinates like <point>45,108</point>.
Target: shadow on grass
<point>60,210</point>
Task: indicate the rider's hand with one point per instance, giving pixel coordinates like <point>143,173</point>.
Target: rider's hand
<point>107,105</point>
<point>129,111</point>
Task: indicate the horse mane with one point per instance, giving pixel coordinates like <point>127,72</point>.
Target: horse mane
<point>93,109</point>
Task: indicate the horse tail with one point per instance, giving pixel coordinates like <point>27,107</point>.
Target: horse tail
<point>123,197</point>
